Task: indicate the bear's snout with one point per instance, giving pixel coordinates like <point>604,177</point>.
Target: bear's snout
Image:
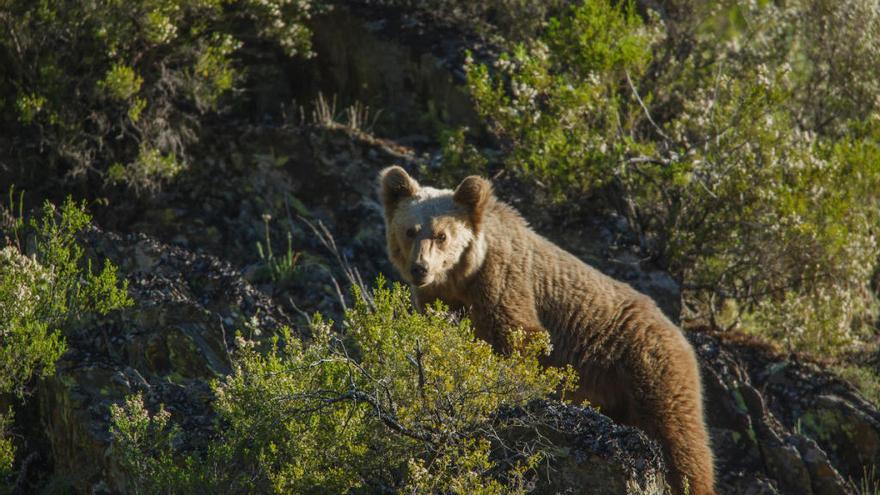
<point>419,271</point>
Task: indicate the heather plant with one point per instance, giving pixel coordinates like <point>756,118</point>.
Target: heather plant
<point>750,192</point>
<point>779,220</point>
<point>829,49</point>
<point>403,402</point>
<point>43,292</point>
<point>151,463</point>
<point>459,158</point>
<point>114,91</point>
<point>776,208</point>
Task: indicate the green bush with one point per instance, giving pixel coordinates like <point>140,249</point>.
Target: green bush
<point>405,402</point>
<point>724,168</point>
<point>556,103</point>
<point>7,449</point>
<point>865,378</point>
<point>42,293</point>
<point>781,174</point>
<point>114,90</point>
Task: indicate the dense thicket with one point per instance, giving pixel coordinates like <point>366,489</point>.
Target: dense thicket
<point>114,91</point>
<point>746,161</point>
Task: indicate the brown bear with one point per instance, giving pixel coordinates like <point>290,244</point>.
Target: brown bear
<point>475,252</point>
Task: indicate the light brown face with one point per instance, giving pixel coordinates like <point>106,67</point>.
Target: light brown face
<point>427,236</point>
<point>428,230</point>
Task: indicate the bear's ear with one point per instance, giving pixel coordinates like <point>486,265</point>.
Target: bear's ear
<point>473,194</point>
<point>395,185</point>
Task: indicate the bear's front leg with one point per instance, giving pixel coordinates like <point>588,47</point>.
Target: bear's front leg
<point>423,296</point>
<point>496,325</point>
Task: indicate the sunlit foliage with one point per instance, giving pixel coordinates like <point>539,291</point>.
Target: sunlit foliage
<point>405,401</point>
<point>43,292</point>
<point>750,190</point>
<point>113,90</point>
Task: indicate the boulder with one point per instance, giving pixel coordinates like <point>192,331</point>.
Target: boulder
<point>780,423</point>
<point>591,454</point>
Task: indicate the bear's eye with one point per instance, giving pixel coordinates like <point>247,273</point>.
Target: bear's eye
<point>441,237</point>
<point>411,232</point>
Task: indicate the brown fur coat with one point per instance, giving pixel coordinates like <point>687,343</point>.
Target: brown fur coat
<point>478,253</point>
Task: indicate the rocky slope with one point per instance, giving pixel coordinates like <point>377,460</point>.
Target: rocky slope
<point>778,425</point>
<point>781,424</point>
<point>178,337</point>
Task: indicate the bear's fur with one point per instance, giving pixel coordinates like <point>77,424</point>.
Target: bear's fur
<point>473,251</point>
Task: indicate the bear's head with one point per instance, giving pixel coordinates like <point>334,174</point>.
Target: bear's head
<point>433,234</point>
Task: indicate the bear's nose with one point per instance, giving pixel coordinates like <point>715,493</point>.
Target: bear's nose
<point>419,271</point>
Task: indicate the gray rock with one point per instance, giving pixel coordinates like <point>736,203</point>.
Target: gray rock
<point>801,429</point>
<point>591,453</point>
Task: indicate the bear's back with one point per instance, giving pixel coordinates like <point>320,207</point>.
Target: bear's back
<point>570,295</point>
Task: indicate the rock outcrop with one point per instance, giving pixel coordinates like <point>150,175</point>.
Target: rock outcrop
<point>591,454</point>
<point>780,422</point>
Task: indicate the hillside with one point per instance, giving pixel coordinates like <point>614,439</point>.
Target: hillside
<point>224,166</point>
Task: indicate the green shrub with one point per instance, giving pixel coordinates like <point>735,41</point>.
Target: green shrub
<point>406,401</point>
<point>556,104</point>
<point>7,449</point>
<point>779,206</point>
<point>43,293</point>
<point>775,218</point>
<point>724,171</point>
<point>865,378</point>
<point>459,158</point>
<point>146,452</point>
<point>114,90</point>
<point>46,291</point>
